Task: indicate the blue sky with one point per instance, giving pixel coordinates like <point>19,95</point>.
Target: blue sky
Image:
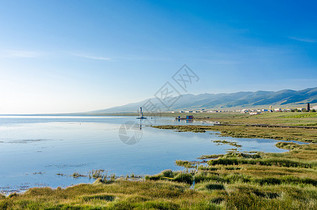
<point>69,56</point>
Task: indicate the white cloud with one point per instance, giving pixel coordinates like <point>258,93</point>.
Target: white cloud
<point>92,57</point>
<point>303,39</point>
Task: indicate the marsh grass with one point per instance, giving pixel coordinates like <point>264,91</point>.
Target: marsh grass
<point>221,142</point>
<point>118,195</point>
<point>210,156</point>
<point>256,180</point>
<point>96,174</point>
<point>185,163</point>
<point>275,118</point>
<point>78,175</point>
<point>243,131</point>
<point>103,197</point>
<point>170,190</point>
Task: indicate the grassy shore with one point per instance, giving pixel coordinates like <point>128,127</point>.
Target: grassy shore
<point>259,180</point>
<point>235,180</point>
<point>275,118</point>
<point>229,181</point>
<point>242,131</point>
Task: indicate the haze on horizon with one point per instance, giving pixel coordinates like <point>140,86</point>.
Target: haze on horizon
<point>73,56</point>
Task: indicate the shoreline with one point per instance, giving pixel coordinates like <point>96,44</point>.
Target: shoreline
<point>231,180</point>
<point>242,131</point>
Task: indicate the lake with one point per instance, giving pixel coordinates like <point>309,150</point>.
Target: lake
<point>34,149</point>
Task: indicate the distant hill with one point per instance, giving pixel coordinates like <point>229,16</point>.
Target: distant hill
<point>229,100</point>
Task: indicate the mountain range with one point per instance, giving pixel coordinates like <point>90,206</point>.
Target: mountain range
<point>228,101</point>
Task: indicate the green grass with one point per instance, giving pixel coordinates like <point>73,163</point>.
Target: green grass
<point>274,118</point>
<point>77,175</point>
<point>262,180</point>
<point>220,142</point>
<point>302,115</point>
<point>240,131</point>
<point>117,195</point>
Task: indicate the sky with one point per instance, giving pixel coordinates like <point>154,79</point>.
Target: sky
<point>72,56</point>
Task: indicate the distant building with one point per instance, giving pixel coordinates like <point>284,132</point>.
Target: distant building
<point>314,107</point>
<point>254,113</point>
<point>278,110</point>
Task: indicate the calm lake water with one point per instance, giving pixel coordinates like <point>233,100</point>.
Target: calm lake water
<point>34,149</point>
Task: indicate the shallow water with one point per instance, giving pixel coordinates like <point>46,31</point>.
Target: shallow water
<point>34,149</point>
